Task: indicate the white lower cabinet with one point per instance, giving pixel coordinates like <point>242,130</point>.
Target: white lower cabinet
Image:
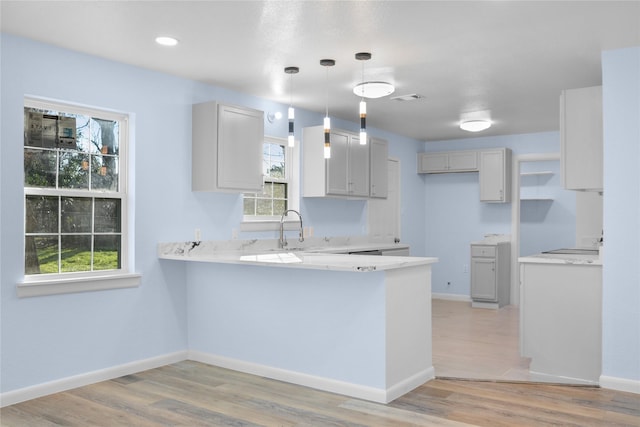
<point>561,321</point>
<point>490,273</point>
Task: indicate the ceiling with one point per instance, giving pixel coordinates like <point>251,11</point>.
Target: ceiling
<point>511,58</point>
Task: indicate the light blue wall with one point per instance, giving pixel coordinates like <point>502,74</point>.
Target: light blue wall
<point>455,217</point>
<point>54,337</point>
<point>621,271</point>
<point>49,338</point>
<point>545,224</point>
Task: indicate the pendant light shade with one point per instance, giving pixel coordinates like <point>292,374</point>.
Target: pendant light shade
<point>363,56</point>
<point>291,112</point>
<point>327,121</point>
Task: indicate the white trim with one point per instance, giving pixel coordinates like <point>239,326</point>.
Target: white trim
<point>558,379</point>
<point>515,216</point>
<point>408,384</point>
<point>292,168</point>
<point>320,383</point>
<point>620,384</point>
<point>80,380</point>
<point>451,297</point>
<point>62,283</point>
<point>68,285</point>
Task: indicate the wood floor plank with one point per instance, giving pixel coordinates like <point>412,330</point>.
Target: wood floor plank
<point>194,394</point>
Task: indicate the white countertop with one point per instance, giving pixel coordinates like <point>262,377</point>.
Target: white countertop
<point>317,254</point>
<point>576,259</point>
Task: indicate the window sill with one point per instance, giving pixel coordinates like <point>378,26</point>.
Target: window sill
<point>269,225</point>
<point>67,285</point>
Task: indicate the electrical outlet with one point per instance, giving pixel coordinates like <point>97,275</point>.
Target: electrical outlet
<point>197,235</point>
<point>465,268</point>
<point>310,232</point>
<point>234,233</point>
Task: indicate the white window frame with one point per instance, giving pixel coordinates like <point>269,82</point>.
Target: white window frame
<point>292,178</point>
<point>61,283</point>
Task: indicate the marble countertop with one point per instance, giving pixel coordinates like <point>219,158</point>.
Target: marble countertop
<point>317,254</point>
<point>576,259</point>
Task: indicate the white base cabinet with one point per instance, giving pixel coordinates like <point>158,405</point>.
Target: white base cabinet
<point>226,148</point>
<point>490,273</point>
<point>561,321</point>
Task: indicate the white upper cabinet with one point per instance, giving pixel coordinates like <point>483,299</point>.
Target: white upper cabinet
<point>378,177</point>
<point>345,174</point>
<point>226,148</point>
<point>581,136</point>
<point>495,175</point>
<point>448,161</point>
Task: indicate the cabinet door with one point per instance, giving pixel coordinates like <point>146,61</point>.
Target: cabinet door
<point>378,154</point>
<point>240,138</point>
<point>581,136</point>
<point>463,161</point>
<point>435,162</point>
<point>495,176</point>
<point>483,279</point>
<point>337,167</point>
<point>358,168</point>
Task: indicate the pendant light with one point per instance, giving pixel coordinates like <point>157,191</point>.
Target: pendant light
<point>291,113</point>
<point>363,56</point>
<point>327,122</point>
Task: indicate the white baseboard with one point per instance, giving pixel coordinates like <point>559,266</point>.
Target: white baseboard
<point>320,383</point>
<point>620,384</point>
<point>557,379</point>
<point>63,384</point>
<point>451,297</point>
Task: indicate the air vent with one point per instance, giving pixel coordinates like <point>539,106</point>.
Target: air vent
<point>409,97</point>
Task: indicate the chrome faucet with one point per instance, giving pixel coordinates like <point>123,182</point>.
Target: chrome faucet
<point>283,240</point>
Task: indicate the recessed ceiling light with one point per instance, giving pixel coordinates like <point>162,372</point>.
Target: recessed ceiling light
<point>166,41</point>
<point>475,125</point>
<point>373,89</point>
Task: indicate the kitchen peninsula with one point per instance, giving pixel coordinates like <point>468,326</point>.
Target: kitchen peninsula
<point>358,325</point>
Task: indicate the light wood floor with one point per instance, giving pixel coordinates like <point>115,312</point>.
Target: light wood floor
<point>194,394</point>
<point>477,343</point>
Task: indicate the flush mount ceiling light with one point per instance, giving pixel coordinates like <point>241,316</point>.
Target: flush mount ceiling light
<point>166,41</point>
<point>475,125</point>
<point>373,89</point>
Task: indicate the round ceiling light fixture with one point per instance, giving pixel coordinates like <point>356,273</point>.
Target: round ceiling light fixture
<point>475,125</point>
<point>373,89</point>
<point>166,41</point>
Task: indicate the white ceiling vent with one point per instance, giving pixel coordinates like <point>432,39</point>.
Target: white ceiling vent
<point>409,97</point>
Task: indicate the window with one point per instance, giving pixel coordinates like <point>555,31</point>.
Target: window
<point>279,191</point>
<point>75,195</point>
